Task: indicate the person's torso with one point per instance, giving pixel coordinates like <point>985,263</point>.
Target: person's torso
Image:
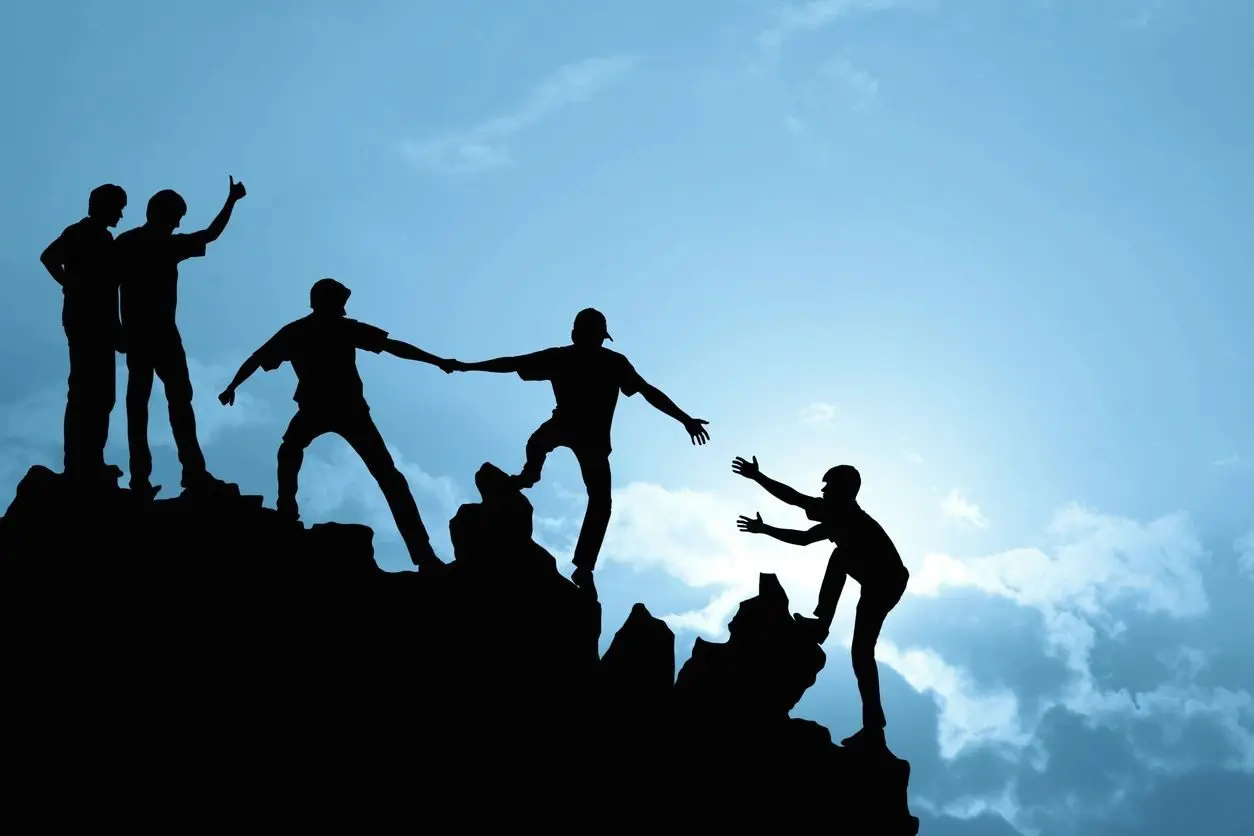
<point>324,357</point>
<point>864,548</point>
<point>586,386</point>
<point>91,292</point>
<point>148,275</point>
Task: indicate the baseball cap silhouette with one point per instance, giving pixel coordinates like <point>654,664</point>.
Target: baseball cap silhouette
<point>328,294</point>
<point>592,322</point>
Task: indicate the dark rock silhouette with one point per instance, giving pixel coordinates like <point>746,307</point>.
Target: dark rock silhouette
<point>206,654</point>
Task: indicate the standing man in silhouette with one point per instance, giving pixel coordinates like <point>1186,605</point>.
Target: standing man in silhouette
<point>863,552</point>
<point>322,348</point>
<point>586,378</point>
<point>80,261</point>
<point>148,260</point>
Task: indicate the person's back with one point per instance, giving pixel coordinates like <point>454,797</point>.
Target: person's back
<point>147,259</point>
<point>864,548</point>
<point>587,380</point>
<point>323,352</point>
<point>91,283</point>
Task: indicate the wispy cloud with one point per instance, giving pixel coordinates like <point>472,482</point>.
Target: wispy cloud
<point>912,457</point>
<point>1231,460</point>
<point>858,86</point>
<point>818,413</point>
<point>800,18</point>
<point>486,146</point>
<point>1244,548</point>
<point>958,507</point>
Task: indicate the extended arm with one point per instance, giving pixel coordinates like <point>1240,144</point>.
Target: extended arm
<point>53,260</point>
<point>268,357</point>
<point>500,365</point>
<point>784,493</point>
<point>754,525</point>
<point>794,537</point>
<point>750,470</point>
<point>405,351</point>
<point>659,401</point>
<point>245,371</point>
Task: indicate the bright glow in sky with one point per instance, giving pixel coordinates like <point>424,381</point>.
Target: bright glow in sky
<point>995,253</point>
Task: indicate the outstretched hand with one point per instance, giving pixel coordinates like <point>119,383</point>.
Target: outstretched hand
<point>747,469</point>
<point>227,397</point>
<point>449,365</point>
<point>237,189</point>
<point>751,525</point>
<point>696,429</point>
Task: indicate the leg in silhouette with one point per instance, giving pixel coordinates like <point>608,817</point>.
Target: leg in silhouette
<point>89,402</point>
<point>829,596</point>
<point>170,364</point>
<point>873,608</point>
<point>360,432</point>
<point>301,432</point>
<point>546,439</point>
<point>139,376</point>
<point>595,467</point>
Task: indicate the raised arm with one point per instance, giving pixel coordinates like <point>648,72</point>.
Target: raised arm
<point>750,470</point>
<point>794,537</point>
<point>216,227</point>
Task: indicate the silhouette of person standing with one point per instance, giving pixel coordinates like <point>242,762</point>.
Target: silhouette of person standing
<point>587,378</point>
<point>322,348</point>
<point>863,552</point>
<point>80,261</point>
<point>148,261</point>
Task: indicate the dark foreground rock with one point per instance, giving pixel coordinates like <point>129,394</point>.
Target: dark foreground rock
<point>199,659</point>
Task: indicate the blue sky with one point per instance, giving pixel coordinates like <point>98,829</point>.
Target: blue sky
<point>995,253</point>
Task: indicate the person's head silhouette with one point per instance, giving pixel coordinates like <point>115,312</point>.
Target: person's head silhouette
<point>328,297</point>
<point>590,328</point>
<point>166,210</point>
<point>105,204</point>
<point>841,483</point>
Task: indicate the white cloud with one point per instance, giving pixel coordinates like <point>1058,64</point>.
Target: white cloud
<point>912,457</point>
<point>818,413</point>
<point>336,476</point>
<point>797,19</point>
<point>486,146</point>
<point>968,716</point>
<point>1244,548</point>
<point>957,507</point>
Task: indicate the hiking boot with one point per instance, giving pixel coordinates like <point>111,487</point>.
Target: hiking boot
<point>582,578</point>
<point>866,738</point>
<point>812,627</point>
<point>143,490</point>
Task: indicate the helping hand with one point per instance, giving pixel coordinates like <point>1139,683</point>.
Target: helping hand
<point>749,470</point>
<point>449,365</point>
<point>696,429</point>
<point>751,525</point>
<point>227,397</point>
<point>237,189</point>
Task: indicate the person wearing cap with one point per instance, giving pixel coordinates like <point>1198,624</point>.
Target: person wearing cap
<point>79,261</point>
<point>148,259</point>
<point>864,552</point>
<point>322,348</point>
<point>587,378</point>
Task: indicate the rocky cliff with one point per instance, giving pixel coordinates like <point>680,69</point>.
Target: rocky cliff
<point>198,659</point>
